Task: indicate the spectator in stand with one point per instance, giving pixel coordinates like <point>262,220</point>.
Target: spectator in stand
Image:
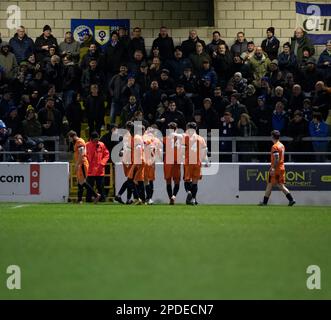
<point>115,55</point>
<point>324,63</point>
<point>222,63</point>
<point>151,101</point>
<point>138,59</point>
<point>85,45</point>
<point>227,129</point>
<point>219,102</point>
<point>131,89</point>
<point>249,98</point>
<point>93,53</point>
<point>239,83</point>
<point>8,61</point>
<point>71,80</point>
<point>300,41</point>
<point>189,45</point>
<point>247,55</point>
<point>44,42</point>
<point>116,85</point>
<point>287,61</point>
<point>309,76</point>
<point>307,110</point>
<point>21,45</point>
<point>270,45</point>
<point>143,77</point>
<point>259,65</point>
<point>129,110</point>
<point>198,58</point>
<point>50,119</point>
<point>13,121</point>
<point>165,44</point>
<point>137,42</point>
<point>213,45</point>
<point>95,109</point>
<point>171,115</point>
<point>262,116</point>
<point>38,83</point>
<point>178,64</point>
<point>124,38</point>
<point>240,45</point>
<point>54,73</point>
<point>322,99</point>
<point>296,99</point>
<point>92,75</point>
<point>209,115</point>
<point>190,81</point>
<point>246,128</point>
<point>280,118</point>
<point>235,107</point>
<point>166,84</point>
<point>58,102</point>
<point>155,68</point>
<point>97,156</point>
<point>4,135</point>
<point>319,129</point>
<point>70,47</point>
<point>184,104</point>
<point>31,126</point>
<point>74,113</point>
<point>298,129</point>
<point>208,71</point>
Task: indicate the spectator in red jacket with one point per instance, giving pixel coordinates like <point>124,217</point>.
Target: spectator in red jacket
<point>97,155</point>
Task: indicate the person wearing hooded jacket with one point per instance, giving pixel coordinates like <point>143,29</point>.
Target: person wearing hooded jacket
<point>8,61</point>
<point>22,46</point>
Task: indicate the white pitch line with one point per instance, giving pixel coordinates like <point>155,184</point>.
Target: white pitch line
<point>20,206</point>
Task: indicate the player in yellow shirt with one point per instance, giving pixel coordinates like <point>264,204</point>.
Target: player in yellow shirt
<point>277,170</point>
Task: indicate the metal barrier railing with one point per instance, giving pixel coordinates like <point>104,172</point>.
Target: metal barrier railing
<point>233,153</point>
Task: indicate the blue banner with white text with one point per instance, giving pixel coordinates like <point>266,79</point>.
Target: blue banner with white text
<point>315,19</point>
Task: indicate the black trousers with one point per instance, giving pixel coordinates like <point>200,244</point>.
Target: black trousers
<point>100,182</point>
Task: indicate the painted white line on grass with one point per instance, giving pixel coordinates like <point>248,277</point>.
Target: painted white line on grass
<point>20,206</point>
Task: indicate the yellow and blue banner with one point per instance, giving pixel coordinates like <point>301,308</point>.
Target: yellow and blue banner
<point>315,19</point>
<point>100,29</point>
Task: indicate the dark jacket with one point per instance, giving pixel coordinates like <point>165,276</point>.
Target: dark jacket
<point>287,62</point>
<point>170,116</point>
<point>185,105</point>
<point>42,41</point>
<point>137,44</point>
<point>55,120</point>
<point>238,48</point>
<point>22,49</point>
<point>114,57</point>
<point>166,47</point>
<point>188,46</point>
<point>303,43</point>
<point>270,47</point>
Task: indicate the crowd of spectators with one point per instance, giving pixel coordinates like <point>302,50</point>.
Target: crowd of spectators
<point>243,89</point>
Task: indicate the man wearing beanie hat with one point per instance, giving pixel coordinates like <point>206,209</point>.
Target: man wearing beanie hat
<point>270,45</point>
<point>44,42</point>
<point>8,61</point>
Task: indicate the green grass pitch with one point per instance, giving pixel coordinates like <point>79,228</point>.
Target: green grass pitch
<point>100,251</point>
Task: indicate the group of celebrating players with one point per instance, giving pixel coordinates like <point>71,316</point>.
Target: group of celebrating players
<point>142,148</point>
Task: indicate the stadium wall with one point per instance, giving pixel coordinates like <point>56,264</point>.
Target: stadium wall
<point>230,16</point>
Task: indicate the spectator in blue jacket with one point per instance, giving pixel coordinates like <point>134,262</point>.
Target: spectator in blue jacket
<point>319,129</point>
<point>21,45</point>
<point>177,65</point>
<point>279,118</point>
<point>287,61</point>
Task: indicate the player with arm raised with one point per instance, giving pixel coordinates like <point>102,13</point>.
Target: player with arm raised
<point>277,170</point>
<point>81,166</point>
<point>195,153</point>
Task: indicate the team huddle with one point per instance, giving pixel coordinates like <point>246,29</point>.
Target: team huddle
<point>143,147</point>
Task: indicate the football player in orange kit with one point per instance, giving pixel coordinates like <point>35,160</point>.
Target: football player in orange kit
<point>136,173</point>
<point>127,160</point>
<point>172,161</point>
<point>195,149</point>
<point>81,166</point>
<point>152,151</point>
<point>277,170</point>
